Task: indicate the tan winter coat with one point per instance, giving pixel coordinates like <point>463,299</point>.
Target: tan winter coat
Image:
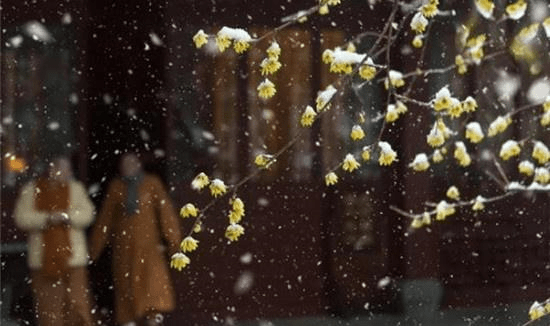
<point>142,244</point>
<point>29,219</point>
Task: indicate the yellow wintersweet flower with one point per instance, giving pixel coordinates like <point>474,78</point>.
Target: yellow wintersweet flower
<point>461,64</point>
<point>417,223</point>
<point>474,132</point>
<point>350,163</point>
<point>200,181</point>
<point>351,47</point>
<point>546,104</point>
<point>329,2</point>
<point>443,209</point>
<point>263,161</point>
<point>387,154</point>
<point>429,10</point>
<point>419,23</point>
<point>266,89</point>
<point>435,138</point>
<point>426,218</point>
<point>274,50</point>
<point>270,65</point>
<point>420,162</point>
<point>366,71</point>
<point>395,79</point>
<point>392,113</point>
<point>477,54</point>
<point>442,127</point>
<point>526,167</point>
<point>541,153</point>
<point>179,261</point>
<point>323,10</point>
<point>546,26</point>
<point>235,216</point>
<point>479,203</point>
<point>365,154</point>
<point>197,227</point>
<point>542,175</point>
<point>456,109</point>
<point>499,125</point>
<point>302,18</point>
<point>536,311</point>
<point>331,179</point>
<point>400,107</point>
<point>324,97</point>
<point>226,35</point>
<point>241,46</point>
<point>234,231</point>
<point>217,187</point>
<point>362,118</point>
<point>237,204</point>
<point>475,42</point>
<point>461,155</point>
<point>443,99</point>
<point>417,41</point>
<point>357,133</point>
<point>188,210</point>
<point>485,8</point>
<point>223,42</point>
<point>509,149</point>
<point>189,244</point>
<point>308,117</point>
<point>437,134</point>
<point>521,50</point>
<point>437,156</point>
<point>545,119</point>
<point>469,104</point>
<point>516,10</point>
<point>328,56</point>
<point>527,34</point>
<point>341,67</point>
<point>453,193</point>
<point>200,39</point>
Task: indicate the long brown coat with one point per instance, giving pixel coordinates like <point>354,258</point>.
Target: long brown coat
<point>140,260</point>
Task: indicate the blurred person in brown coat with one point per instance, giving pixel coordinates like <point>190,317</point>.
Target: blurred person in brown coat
<point>138,220</point>
<point>55,210</point>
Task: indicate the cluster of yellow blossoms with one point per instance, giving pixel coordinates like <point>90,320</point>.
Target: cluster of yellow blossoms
<point>438,134</point>
<point>343,61</point>
<point>224,38</point>
<point>444,102</point>
<point>325,4</point>
<point>386,156</point>
<point>322,104</point>
<point>419,22</point>
<point>541,154</point>
<point>444,208</point>
<point>545,118</point>
<point>189,244</point>
<point>241,42</point>
<point>394,111</point>
<point>538,309</point>
<point>269,66</point>
<point>264,161</point>
<point>513,11</point>
<point>420,162</point>
<point>394,79</point>
<point>473,49</point>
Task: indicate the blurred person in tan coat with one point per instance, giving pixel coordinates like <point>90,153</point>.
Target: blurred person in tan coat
<point>138,220</point>
<point>55,210</point>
